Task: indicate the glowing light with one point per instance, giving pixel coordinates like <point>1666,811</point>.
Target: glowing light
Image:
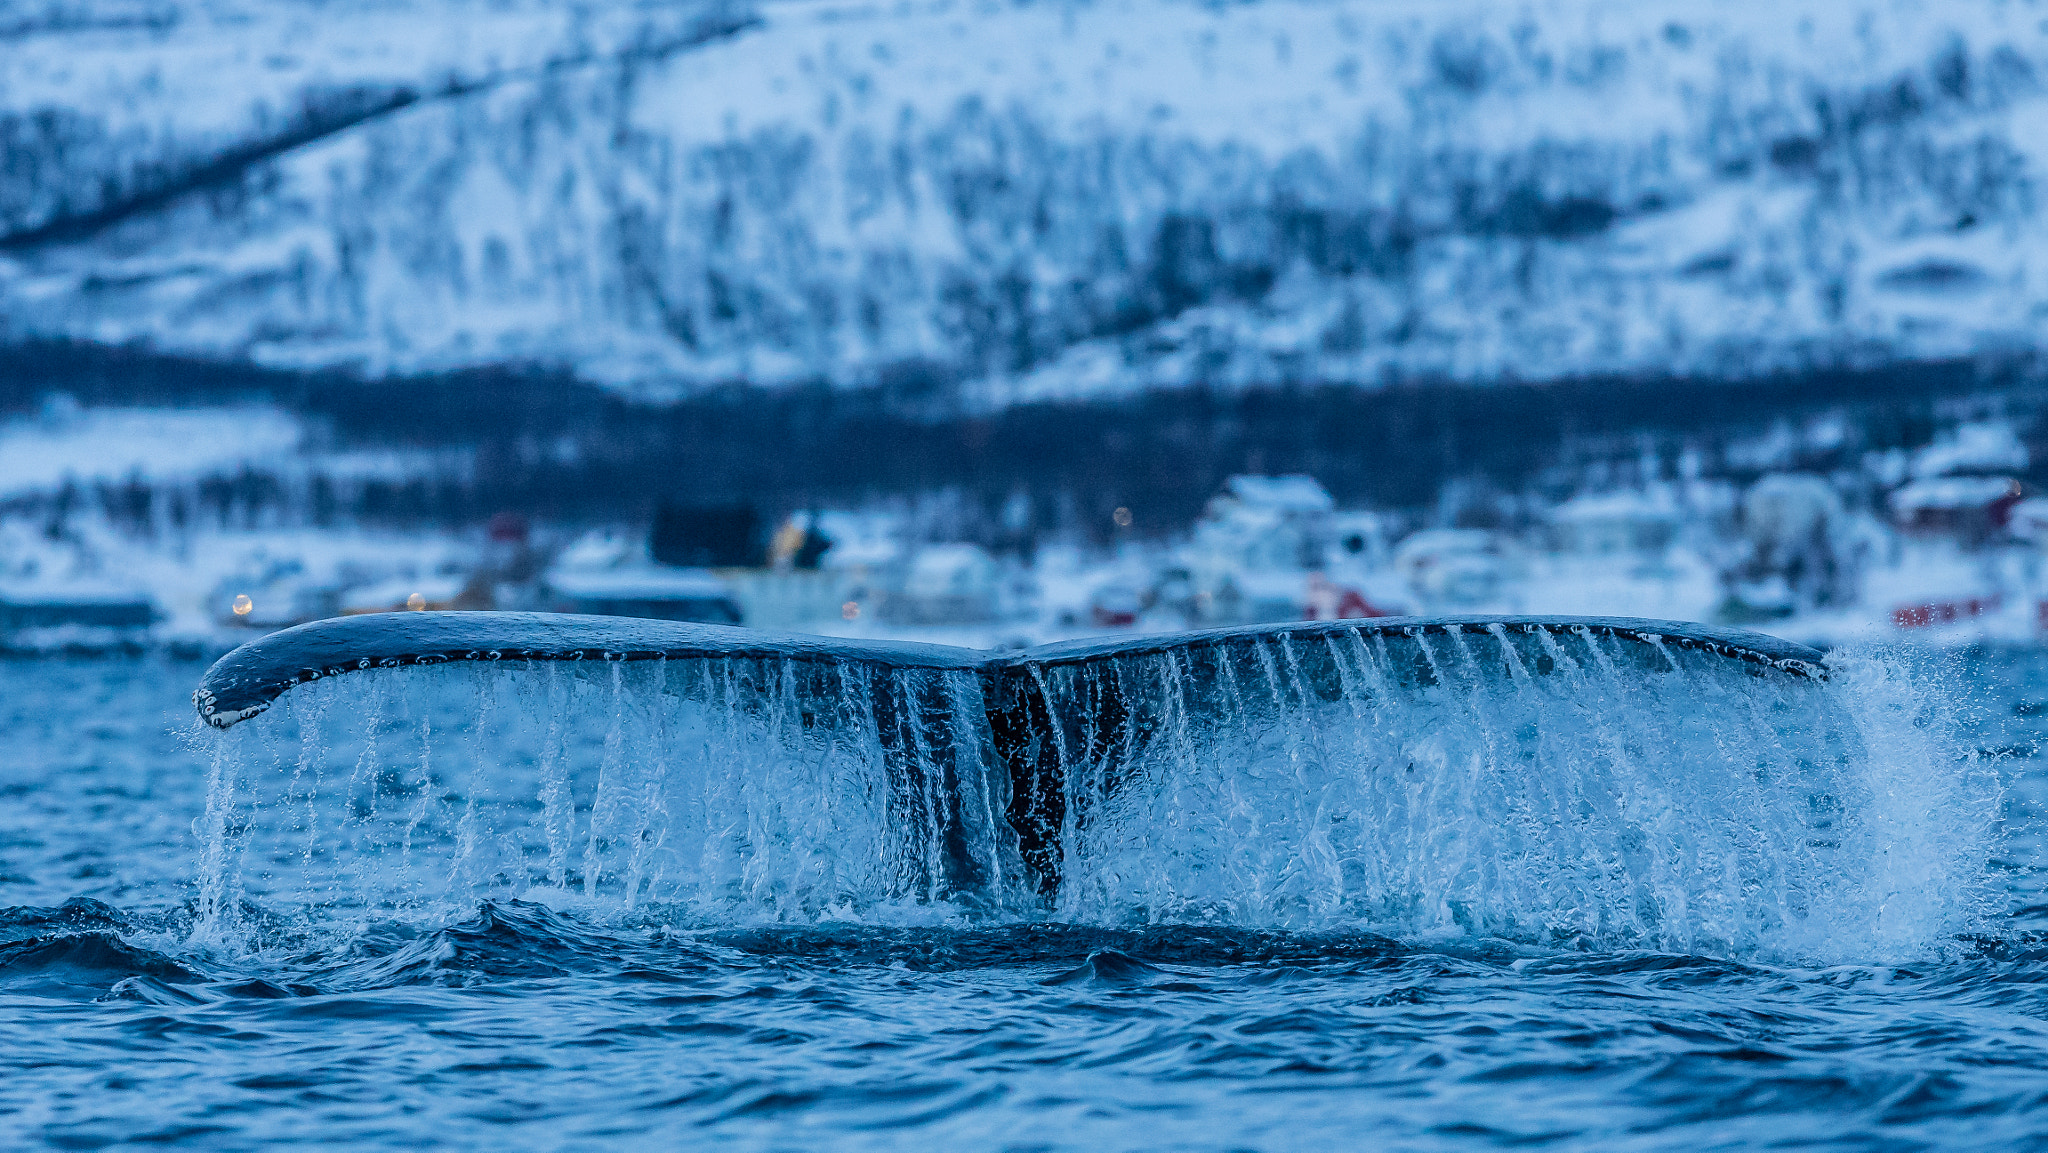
<point>244,606</point>
<point>1122,517</point>
<point>850,610</point>
<point>416,602</point>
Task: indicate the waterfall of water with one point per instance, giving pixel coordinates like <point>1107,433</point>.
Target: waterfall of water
<point>1539,785</point>
<point>1544,782</point>
<point>749,788</point>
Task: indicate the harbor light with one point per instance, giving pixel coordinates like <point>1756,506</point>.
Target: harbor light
<point>243,605</point>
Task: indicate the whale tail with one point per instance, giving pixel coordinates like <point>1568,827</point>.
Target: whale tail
<point>1037,749</point>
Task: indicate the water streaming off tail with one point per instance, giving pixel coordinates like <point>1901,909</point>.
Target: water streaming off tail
<point>731,788</point>
<point>1538,784</point>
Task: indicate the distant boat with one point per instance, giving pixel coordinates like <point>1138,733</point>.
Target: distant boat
<point>644,590</point>
<point>1458,566</point>
<point>702,564</point>
<point>947,584</point>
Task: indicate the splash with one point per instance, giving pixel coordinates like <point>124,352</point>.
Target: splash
<point>1547,787</point>
<point>728,790</point>
<point>1560,784</point>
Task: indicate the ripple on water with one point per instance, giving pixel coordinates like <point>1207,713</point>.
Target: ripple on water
<point>548,1023</point>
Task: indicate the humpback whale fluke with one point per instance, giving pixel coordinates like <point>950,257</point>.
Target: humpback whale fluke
<point>246,681</point>
<point>1050,734</point>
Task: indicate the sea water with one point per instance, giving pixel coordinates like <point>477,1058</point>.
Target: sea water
<point>571,908</point>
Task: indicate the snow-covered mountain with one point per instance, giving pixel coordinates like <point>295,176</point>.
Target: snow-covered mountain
<point>1010,201</point>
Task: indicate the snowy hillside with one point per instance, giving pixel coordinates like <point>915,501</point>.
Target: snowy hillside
<point>1028,200</point>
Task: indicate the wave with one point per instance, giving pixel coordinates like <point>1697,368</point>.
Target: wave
<point>501,941</point>
<point>78,914</point>
<point>74,964</point>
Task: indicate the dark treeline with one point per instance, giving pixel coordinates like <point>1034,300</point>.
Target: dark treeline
<point>546,445</point>
<point>248,498</point>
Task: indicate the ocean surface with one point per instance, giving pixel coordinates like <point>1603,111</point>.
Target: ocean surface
<point>347,929</point>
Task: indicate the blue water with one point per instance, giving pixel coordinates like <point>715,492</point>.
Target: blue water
<point>132,1012</point>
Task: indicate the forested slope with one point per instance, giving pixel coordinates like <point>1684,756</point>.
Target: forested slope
<point>975,203</point>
